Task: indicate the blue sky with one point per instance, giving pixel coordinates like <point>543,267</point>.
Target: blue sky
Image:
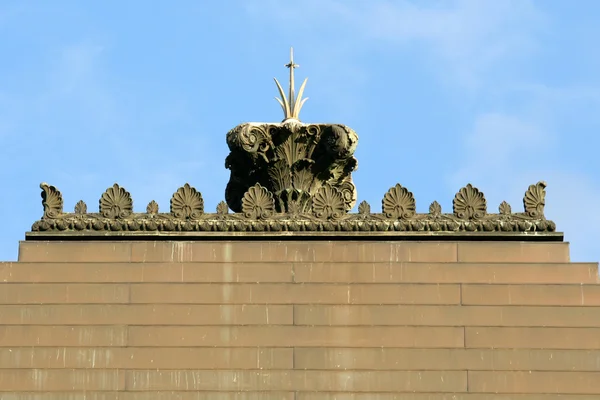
<point>497,93</point>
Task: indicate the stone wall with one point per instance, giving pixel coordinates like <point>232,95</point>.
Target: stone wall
<point>298,321</point>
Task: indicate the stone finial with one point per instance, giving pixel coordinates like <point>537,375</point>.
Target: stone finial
<point>258,203</point>
<point>116,203</point>
<point>534,200</point>
<point>291,104</point>
<point>469,203</point>
<point>52,201</point>
<point>187,203</point>
<point>398,203</point>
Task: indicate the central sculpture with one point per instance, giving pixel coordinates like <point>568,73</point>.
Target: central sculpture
<point>292,160</point>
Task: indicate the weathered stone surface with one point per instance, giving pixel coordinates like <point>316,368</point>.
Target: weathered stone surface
<point>322,211</point>
<point>302,165</point>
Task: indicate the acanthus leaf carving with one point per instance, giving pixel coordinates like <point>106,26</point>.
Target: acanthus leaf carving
<point>52,201</point>
<point>294,207</point>
<point>292,160</point>
<point>469,203</point>
<point>534,200</point>
<point>398,203</point>
<point>187,203</point>
<point>222,208</point>
<point>80,208</point>
<point>302,177</point>
<point>505,209</point>
<point>280,176</point>
<point>152,208</point>
<point>116,202</point>
<point>364,208</point>
<point>435,209</point>
<point>258,203</point>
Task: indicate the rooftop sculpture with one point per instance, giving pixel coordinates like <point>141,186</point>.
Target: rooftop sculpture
<point>292,160</point>
<point>294,179</point>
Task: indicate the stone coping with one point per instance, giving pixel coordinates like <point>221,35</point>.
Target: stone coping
<point>302,235</point>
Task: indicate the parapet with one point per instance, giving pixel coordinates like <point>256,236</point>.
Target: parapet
<point>324,216</point>
<point>292,179</point>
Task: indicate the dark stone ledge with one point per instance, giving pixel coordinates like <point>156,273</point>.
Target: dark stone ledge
<point>304,236</point>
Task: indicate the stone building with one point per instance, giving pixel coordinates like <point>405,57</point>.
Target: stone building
<point>283,293</point>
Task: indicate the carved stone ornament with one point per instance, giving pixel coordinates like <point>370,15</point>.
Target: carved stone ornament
<point>293,161</point>
<point>52,201</point>
<point>469,203</point>
<point>296,178</point>
<point>222,208</point>
<point>187,203</point>
<point>505,208</point>
<point>364,208</point>
<point>257,203</point>
<point>435,210</point>
<point>398,203</point>
<point>116,203</point>
<point>328,203</point>
<point>535,199</point>
<point>152,208</point>
<point>81,208</point>
<point>326,213</point>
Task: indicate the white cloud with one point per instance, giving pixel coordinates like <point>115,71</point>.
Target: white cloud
<point>469,36</point>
